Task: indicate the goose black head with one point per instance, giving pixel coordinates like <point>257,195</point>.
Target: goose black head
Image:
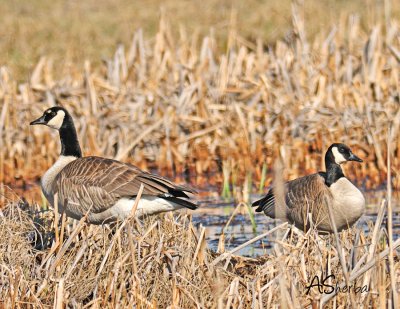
<point>340,153</point>
<point>58,118</point>
<point>54,117</point>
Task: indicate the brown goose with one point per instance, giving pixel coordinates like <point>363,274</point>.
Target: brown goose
<point>106,188</point>
<point>313,193</point>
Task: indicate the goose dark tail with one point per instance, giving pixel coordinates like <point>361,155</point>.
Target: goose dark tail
<point>182,202</point>
<point>266,205</point>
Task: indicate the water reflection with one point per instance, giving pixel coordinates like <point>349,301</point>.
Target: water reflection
<point>214,215</point>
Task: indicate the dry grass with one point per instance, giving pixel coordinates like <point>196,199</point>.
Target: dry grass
<point>71,31</point>
<point>164,262</point>
<point>193,107</point>
<point>187,107</point>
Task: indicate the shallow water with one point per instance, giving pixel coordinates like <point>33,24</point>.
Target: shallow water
<point>214,214</point>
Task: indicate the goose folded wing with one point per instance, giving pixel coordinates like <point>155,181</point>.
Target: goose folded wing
<point>311,196</point>
<point>97,183</point>
<point>298,193</point>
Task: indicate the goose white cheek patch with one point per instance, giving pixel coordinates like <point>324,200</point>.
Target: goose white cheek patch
<point>57,121</point>
<point>339,158</point>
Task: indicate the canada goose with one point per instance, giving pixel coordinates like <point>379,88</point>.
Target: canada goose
<point>104,188</point>
<point>314,193</point>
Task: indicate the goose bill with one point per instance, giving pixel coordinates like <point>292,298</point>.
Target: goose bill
<point>40,120</point>
<point>353,157</point>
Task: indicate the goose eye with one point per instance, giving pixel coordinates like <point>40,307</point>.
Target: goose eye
<point>341,150</point>
<point>53,113</point>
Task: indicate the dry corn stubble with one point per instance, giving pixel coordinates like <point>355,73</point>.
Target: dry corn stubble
<point>168,100</point>
<point>163,261</point>
<point>174,103</point>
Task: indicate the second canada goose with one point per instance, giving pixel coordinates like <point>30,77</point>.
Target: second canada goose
<point>103,188</point>
<point>315,193</point>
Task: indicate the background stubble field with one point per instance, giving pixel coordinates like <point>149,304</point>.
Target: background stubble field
<point>210,88</point>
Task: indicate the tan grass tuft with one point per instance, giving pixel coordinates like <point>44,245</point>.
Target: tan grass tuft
<point>157,263</point>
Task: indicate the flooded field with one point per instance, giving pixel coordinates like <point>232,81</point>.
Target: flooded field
<point>210,105</point>
<point>227,224</point>
<point>221,216</point>
<point>214,215</point>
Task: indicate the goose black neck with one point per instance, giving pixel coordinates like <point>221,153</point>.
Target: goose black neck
<point>69,139</point>
<point>333,170</point>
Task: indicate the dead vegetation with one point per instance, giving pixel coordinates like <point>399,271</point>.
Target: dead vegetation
<point>72,31</point>
<point>192,110</point>
<point>164,262</point>
<point>187,107</point>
